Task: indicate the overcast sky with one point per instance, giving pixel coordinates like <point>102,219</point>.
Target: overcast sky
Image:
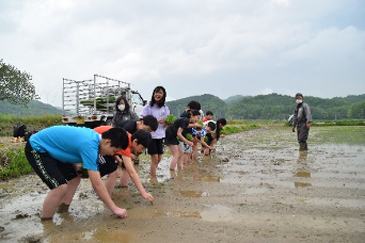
<point>218,47</point>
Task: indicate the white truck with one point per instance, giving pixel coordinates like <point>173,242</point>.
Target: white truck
<point>91,102</point>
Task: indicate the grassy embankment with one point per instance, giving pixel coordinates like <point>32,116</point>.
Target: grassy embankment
<point>13,162</point>
<point>12,159</point>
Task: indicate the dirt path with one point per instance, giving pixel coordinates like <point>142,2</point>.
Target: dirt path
<point>257,188</point>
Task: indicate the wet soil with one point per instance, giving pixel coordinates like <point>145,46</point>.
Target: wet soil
<point>257,187</point>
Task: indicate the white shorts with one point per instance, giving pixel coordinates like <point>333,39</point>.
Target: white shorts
<point>186,148</point>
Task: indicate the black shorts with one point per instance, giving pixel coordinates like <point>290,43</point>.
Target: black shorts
<point>156,146</point>
<point>107,165</point>
<point>210,139</point>
<point>52,171</point>
<point>171,138</point>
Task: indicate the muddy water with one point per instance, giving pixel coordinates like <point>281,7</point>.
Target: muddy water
<point>256,188</point>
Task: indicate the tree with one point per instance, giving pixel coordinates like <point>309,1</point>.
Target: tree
<point>15,86</point>
<point>357,110</point>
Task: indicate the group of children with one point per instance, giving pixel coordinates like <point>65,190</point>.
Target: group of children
<point>56,153</point>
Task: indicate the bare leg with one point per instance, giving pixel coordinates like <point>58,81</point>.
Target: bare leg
<point>206,151</point>
<point>194,154</point>
<point>110,181</point>
<point>71,189</point>
<point>124,178</point>
<point>155,159</point>
<point>185,159</point>
<point>53,200</point>
<point>176,152</point>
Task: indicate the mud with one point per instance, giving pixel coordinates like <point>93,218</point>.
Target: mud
<point>257,187</point>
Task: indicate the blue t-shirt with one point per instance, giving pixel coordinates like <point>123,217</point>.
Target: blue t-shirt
<point>69,144</point>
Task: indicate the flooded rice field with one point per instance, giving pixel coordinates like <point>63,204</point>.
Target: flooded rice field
<point>257,187</point>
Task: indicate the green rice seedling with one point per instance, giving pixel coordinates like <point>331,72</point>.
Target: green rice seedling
<point>189,137</point>
<point>170,119</point>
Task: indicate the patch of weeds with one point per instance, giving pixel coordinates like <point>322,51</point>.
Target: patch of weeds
<point>15,164</point>
<point>231,129</point>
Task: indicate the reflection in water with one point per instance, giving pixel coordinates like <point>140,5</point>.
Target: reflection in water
<point>112,235</point>
<point>185,214</point>
<point>301,184</point>
<point>189,193</point>
<point>303,170</point>
<point>217,213</point>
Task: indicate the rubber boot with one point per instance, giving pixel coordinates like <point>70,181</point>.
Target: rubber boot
<point>302,146</point>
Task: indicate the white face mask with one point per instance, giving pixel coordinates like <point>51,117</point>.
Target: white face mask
<point>298,101</point>
<point>121,107</point>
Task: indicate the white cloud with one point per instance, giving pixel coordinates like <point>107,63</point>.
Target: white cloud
<point>244,46</point>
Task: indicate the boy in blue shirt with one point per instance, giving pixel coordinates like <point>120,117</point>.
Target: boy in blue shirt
<point>53,151</point>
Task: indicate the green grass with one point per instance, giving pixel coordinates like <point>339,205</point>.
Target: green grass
<point>32,122</point>
<point>327,123</point>
<point>352,135</point>
<point>339,123</point>
<point>5,117</point>
<point>230,129</point>
<point>18,164</point>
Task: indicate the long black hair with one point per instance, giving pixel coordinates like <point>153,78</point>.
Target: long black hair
<point>220,121</point>
<point>126,109</point>
<point>163,100</point>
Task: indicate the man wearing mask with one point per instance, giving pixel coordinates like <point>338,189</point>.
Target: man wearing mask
<point>302,120</point>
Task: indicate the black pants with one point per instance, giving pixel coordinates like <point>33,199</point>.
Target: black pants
<point>52,171</point>
<point>303,133</point>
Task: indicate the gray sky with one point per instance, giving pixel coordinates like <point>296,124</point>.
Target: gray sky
<point>218,47</point>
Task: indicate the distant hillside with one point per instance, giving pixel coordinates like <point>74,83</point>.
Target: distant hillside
<point>274,106</point>
<point>34,107</point>
<point>232,99</point>
<point>207,101</point>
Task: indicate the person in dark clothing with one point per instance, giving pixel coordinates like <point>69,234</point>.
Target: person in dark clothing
<point>302,120</point>
<point>123,112</point>
<point>148,122</point>
<point>174,134</point>
<point>190,152</point>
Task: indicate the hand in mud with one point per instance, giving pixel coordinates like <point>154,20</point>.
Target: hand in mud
<point>135,158</point>
<point>293,129</point>
<point>148,197</point>
<point>120,212</point>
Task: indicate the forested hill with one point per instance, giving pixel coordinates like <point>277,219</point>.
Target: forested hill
<point>34,107</point>
<point>207,101</point>
<point>274,106</point>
